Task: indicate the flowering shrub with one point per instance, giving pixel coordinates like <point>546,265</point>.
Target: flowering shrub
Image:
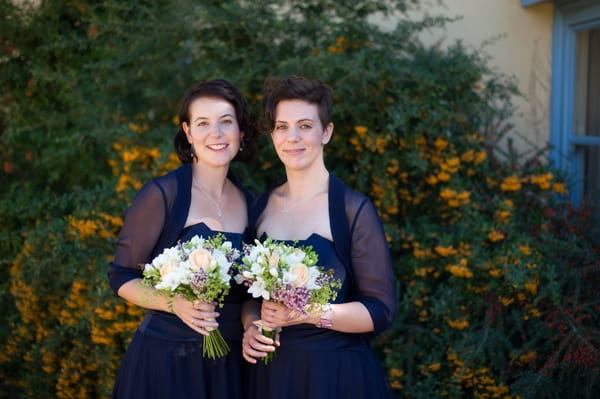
<point>498,275</point>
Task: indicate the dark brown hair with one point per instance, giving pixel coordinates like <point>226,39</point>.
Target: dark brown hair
<point>217,88</point>
<point>296,88</point>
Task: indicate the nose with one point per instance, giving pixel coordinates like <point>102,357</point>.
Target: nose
<point>294,134</point>
<point>217,130</point>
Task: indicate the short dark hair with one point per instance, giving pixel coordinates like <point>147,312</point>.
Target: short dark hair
<point>296,88</point>
<point>217,88</point>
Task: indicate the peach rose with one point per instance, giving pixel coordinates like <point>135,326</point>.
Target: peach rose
<point>166,269</point>
<point>202,259</point>
<point>273,260</point>
<point>301,272</point>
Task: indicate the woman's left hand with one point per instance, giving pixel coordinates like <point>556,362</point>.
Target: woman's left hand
<point>278,315</point>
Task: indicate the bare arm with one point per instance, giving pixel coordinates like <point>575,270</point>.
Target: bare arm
<point>198,317</point>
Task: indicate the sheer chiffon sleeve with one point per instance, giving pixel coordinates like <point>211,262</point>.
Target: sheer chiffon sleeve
<point>142,226</point>
<point>372,265</point>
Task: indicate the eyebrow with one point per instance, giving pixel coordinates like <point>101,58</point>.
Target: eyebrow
<point>205,117</point>
<point>298,121</point>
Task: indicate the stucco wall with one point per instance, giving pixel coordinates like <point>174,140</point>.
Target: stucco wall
<point>523,50</point>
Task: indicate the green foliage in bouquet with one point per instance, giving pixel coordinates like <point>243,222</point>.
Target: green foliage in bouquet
<point>497,275</point>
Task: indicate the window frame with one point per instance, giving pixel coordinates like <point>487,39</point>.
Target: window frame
<point>570,17</point>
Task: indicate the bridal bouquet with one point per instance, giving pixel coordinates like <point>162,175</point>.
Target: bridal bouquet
<point>198,269</point>
<point>286,274</point>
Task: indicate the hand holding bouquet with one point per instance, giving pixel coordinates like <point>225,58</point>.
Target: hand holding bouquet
<point>199,270</point>
<point>285,274</point>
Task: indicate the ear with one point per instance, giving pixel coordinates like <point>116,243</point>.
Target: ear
<point>186,129</point>
<point>327,133</point>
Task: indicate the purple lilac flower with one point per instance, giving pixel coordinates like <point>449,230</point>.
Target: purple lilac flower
<point>293,298</point>
<point>199,279</point>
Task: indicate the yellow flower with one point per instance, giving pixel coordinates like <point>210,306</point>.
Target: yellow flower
<point>465,195</point>
<point>419,253</point>
<point>451,165</point>
<point>480,157</point>
<point>525,249</point>
<point>380,144</point>
<point>503,216</point>
<point>534,312</point>
<point>361,130</point>
<point>431,179</point>
<point>392,210</point>
<point>531,287</point>
<point>447,194</point>
<point>495,236</point>
<point>434,366</point>
<point>83,228</point>
<point>396,373</point>
<point>393,168</point>
<point>440,143</point>
<point>458,324</point>
<point>526,357</point>
<point>468,156</point>
<point>506,301</point>
<point>559,188</point>
<point>443,176</point>
<point>511,183</point>
<point>453,203</point>
<point>444,251</point>
<point>459,271</point>
<point>495,272</point>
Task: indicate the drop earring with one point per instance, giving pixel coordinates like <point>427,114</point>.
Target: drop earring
<point>241,144</point>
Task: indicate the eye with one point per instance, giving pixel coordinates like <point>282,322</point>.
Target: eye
<point>280,127</point>
<point>305,126</point>
<point>227,121</point>
<point>202,123</point>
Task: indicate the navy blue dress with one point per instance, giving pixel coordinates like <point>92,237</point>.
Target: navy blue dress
<point>164,358</point>
<point>320,363</point>
<point>317,362</point>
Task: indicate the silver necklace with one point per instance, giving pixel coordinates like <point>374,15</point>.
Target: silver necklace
<point>286,208</point>
<point>216,204</point>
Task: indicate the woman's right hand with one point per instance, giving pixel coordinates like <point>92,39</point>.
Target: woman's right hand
<point>256,345</point>
<point>199,316</point>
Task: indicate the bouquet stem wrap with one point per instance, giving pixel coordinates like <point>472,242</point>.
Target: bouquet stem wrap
<point>214,345</point>
<point>269,333</point>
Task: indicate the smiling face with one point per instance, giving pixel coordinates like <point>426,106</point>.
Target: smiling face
<point>213,131</point>
<point>298,136</point>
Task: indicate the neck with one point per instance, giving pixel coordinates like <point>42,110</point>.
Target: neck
<point>211,180</point>
<point>303,182</point>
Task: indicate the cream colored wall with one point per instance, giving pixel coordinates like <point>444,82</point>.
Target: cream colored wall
<point>523,51</point>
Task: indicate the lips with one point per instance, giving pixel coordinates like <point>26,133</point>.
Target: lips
<point>217,147</point>
<point>294,151</point>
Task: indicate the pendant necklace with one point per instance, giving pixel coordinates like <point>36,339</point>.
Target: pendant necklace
<point>286,208</point>
<point>216,204</point>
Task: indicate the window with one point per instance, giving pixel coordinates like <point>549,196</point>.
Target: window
<point>575,105</point>
<point>587,107</point>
